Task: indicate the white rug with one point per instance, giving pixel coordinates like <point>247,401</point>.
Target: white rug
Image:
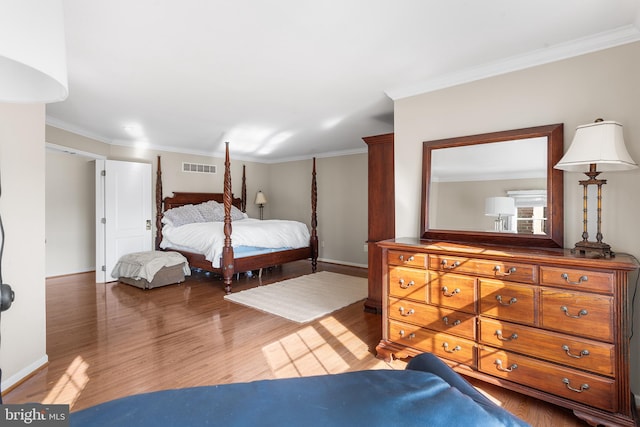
<point>304,298</point>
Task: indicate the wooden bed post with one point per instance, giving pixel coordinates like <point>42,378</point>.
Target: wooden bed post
<point>313,241</point>
<point>227,250</point>
<point>243,195</point>
<point>158,205</point>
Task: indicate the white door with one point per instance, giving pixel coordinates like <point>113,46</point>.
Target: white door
<point>123,213</point>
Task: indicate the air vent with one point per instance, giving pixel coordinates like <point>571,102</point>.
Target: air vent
<point>198,168</point>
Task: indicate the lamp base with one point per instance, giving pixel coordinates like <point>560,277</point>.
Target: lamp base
<point>595,249</point>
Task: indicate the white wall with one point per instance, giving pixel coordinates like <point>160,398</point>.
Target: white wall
<point>22,206</point>
<point>574,92</point>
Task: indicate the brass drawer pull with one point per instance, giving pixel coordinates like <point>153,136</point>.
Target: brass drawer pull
<point>513,336</point>
<point>445,290</point>
<point>408,313</point>
<point>445,319</point>
<point>582,388</point>
<point>449,267</point>
<point>581,313</point>
<point>506,273</point>
<point>568,351</point>
<point>408,285</point>
<point>411,258</point>
<point>500,368</point>
<point>446,348</point>
<point>410,336</point>
<point>565,276</point>
<point>511,301</point>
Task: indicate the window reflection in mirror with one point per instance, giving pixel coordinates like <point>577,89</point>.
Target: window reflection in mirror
<point>531,211</point>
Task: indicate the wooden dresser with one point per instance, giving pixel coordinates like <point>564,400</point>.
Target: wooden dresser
<point>540,322</point>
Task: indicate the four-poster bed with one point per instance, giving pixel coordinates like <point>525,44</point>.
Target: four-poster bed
<point>230,263</point>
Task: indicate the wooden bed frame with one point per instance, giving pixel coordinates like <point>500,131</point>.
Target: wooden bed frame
<point>229,264</point>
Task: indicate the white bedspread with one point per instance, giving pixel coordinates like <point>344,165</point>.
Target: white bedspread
<point>207,238</point>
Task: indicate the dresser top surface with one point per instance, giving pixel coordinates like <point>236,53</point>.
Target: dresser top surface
<point>551,255</point>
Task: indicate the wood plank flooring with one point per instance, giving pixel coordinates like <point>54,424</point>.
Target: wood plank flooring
<point>106,341</point>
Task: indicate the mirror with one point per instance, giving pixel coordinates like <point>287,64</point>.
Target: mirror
<point>496,188</point>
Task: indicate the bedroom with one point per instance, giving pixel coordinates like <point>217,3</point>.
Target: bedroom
<point>573,91</point>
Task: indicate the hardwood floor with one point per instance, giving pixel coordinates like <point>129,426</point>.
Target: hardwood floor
<point>106,341</point>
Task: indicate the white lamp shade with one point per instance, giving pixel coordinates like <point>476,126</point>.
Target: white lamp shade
<point>600,143</point>
<point>33,65</point>
<point>260,198</point>
<point>500,206</point>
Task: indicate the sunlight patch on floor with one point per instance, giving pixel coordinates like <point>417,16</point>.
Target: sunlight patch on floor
<point>70,385</point>
<point>489,396</point>
<point>310,352</point>
<point>351,342</point>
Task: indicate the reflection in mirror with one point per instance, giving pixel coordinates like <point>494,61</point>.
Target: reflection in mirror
<point>495,188</point>
<point>464,179</point>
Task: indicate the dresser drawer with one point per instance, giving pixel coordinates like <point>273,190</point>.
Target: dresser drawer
<point>515,272</point>
<point>406,258</point>
<point>572,384</point>
<point>579,280</point>
<point>434,318</point>
<point>573,352</point>
<point>444,345</point>
<point>507,301</point>
<point>408,283</point>
<point>581,314</point>
<point>453,291</point>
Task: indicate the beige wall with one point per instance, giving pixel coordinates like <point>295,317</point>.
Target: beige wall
<point>70,214</point>
<point>22,205</point>
<point>574,92</point>
<point>342,203</point>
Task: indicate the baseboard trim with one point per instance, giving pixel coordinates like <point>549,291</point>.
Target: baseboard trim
<point>351,264</point>
<point>24,374</point>
<point>70,274</point>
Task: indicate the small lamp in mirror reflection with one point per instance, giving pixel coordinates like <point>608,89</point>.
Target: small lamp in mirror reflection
<point>500,207</point>
<point>261,200</point>
<point>596,147</point>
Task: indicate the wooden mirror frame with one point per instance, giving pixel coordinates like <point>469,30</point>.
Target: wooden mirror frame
<point>555,189</point>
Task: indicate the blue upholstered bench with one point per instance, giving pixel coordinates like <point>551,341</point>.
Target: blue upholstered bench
<point>427,393</point>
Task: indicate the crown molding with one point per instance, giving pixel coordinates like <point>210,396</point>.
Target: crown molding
<point>317,156</point>
<point>577,47</point>
<point>60,124</point>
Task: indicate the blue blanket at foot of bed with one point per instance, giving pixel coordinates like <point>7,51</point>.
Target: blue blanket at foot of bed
<point>427,393</point>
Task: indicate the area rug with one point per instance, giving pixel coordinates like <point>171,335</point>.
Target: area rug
<point>304,298</point>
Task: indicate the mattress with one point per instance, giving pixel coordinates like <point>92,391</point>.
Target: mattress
<point>207,238</point>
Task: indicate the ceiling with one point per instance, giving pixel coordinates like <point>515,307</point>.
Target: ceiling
<point>289,79</point>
